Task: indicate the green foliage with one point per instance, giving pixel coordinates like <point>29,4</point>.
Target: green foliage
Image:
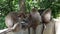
<point>7,6</point>
<point>53,4</point>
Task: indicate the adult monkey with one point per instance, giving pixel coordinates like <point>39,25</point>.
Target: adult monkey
<point>49,26</point>
<point>45,15</point>
<point>36,19</point>
<point>13,18</point>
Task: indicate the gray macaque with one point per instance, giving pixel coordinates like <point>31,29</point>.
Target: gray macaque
<point>11,19</point>
<point>46,16</point>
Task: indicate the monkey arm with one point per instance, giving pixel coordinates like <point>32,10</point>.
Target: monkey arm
<point>14,26</point>
<point>8,29</point>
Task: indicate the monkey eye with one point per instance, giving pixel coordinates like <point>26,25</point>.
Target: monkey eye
<point>24,20</point>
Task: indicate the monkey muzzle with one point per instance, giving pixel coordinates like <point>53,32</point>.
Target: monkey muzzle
<point>24,25</point>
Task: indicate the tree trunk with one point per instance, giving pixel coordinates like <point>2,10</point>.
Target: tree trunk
<point>22,5</point>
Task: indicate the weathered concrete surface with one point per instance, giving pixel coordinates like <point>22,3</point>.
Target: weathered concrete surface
<point>57,25</point>
<point>20,32</point>
<point>38,31</point>
<point>49,29</point>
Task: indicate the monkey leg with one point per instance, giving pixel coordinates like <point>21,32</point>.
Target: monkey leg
<point>34,31</point>
<point>28,30</point>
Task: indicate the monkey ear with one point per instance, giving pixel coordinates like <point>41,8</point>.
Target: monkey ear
<point>46,15</point>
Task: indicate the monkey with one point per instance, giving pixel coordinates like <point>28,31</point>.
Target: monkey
<point>11,15</point>
<point>36,19</point>
<point>12,18</point>
<point>45,12</point>
<point>49,26</point>
<point>48,23</point>
<point>46,16</point>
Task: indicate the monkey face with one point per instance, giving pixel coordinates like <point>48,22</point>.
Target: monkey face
<point>25,23</point>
